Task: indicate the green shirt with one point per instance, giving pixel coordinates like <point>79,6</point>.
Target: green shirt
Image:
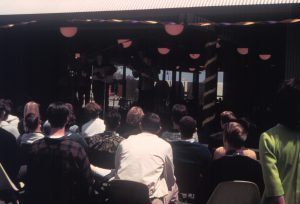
<point>279,150</point>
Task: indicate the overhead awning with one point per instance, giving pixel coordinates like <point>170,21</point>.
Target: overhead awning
<point>17,7</point>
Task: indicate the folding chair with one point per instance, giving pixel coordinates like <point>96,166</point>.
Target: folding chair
<point>8,190</point>
<point>235,192</point>
<point>189,180</point>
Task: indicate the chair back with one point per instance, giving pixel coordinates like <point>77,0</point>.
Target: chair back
<point>235,192</point>
<point>188,177</point>
<point>123,191</point>
<point>5,182</point>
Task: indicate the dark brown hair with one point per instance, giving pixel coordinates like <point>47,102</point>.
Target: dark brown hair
<point>235,134</point>
<point>93,110</point>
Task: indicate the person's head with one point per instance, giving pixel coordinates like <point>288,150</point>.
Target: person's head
<point>32,107</point>
<point>151,123</point>
<point>9,105</point>
<point>178,111</point>
<point>57,114</point>
<point>3,110</point>
<point>93,110</point>
<point>187,126</point>
<point>234,135</point>
<point>134,116</point>
<point>287,106</point>
<point>112,120</point>
<point>32,122</point>
<point>226,117</point>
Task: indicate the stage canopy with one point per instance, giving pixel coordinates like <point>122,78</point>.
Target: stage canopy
<point>16,7</point>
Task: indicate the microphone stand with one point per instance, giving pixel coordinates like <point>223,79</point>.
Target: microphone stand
<point>91,88</point>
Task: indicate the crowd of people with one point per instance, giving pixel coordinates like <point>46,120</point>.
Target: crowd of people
<point>59,161</point>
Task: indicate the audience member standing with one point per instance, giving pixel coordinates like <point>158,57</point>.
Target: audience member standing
<point>148,159</point>
<point>103,146</point>
<point>280,148</point>
<point>95,125</point>
<point>58,168</point>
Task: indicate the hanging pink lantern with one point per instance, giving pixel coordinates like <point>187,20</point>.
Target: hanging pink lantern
<point>68,32</point>
<point>243,50</point>
<point>174,29</point>
<point>192,69</point>
<point>163,50</point>
<point>194,56</point>
<point>265,56</point>
<point>77,55</point>
<point>177,67</point>
<point>126,43</point>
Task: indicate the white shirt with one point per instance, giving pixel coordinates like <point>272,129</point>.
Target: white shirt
<point>176,136</point>
<point>10,128</point>
<point>13,120</point>
<point>93,127</point>
<point>147,159</point>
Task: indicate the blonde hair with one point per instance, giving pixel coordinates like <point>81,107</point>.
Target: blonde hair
<point>134,115</point>
<point>32,107</point>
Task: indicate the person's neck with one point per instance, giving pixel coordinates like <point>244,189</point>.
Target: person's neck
<point>58,132</point>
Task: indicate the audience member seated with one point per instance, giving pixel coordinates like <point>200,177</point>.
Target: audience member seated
<point>95,125</point>
<point>3,117</point>
<point>71,129</point>
<point>222,151</point>
<point>58,168</point>
<point>148,159</point>
<point>234,165</point>
<point>11,119</point>
<point>178,111</point>
<point>30,107</point>
<point>33,127</point>
<point>133,119</point>
<point>279,148</point>
<point>103,146</point>
<point>71,126</point>
<point>191,159</point>
<point>9,154</point>
<point>187,150</point>
<point>216,139</point>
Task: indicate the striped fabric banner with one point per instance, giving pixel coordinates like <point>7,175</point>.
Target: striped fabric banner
<point>210,92</point>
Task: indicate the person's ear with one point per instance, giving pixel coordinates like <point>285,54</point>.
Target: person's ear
<point>159,130</point>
